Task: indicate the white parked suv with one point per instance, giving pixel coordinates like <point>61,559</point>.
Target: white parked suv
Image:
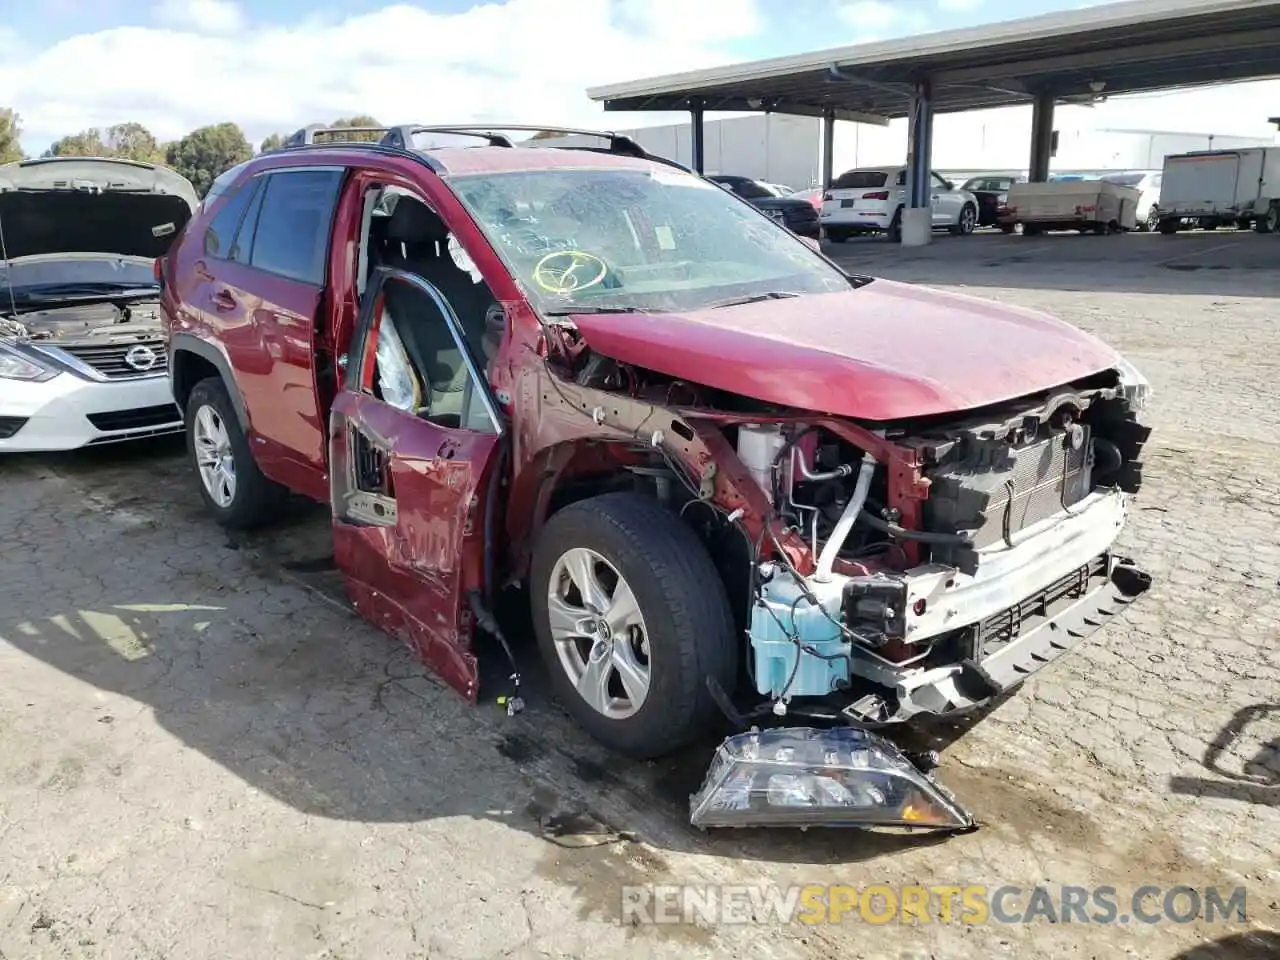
<point>870,199</point>
<point>82,355</point>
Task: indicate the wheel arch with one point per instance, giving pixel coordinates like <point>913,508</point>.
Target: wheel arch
<point>192,360</point>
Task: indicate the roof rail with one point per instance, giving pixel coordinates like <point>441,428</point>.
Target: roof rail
<point>307,135</point>
<point>402,136</point>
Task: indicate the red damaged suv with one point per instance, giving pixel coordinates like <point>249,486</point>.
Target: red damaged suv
<point>734,478</point>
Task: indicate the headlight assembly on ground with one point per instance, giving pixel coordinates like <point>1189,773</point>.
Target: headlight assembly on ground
<point>806,777</point>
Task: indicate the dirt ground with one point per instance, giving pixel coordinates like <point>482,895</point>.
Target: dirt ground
<point>204,754</point>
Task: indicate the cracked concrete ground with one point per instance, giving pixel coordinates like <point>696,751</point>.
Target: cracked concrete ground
<point>202,754</point>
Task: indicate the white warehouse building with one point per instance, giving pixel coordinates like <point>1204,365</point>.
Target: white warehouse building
<point>788,150</point>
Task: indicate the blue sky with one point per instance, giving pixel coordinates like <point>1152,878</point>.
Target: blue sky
<point>276,65</point>
<point>792,26</point>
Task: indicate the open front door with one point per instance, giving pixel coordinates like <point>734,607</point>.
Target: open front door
<point>413,441</point>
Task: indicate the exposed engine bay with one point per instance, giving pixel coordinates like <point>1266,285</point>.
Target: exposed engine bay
<point>918,635</point>
<point>1015,510</point>
<point>101,322</point>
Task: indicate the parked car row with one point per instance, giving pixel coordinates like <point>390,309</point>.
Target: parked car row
<point>611,381</point>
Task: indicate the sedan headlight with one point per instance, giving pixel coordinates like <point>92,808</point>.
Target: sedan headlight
<point>1137,389</point>
<point>15,366</point>
<point>808,777</point>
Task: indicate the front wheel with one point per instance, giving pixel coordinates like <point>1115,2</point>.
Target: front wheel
<point>632,619</point>
<point>967,222</point>
<point>234,490</point>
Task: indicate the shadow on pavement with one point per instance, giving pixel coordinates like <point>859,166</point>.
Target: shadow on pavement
<point>1257,781</point>
<point>297,696</point>
<point>1255,945</point>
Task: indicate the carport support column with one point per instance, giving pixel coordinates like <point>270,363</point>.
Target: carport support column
<point>828,147</point>
<point>917,212</point>
<point>1041,138</point>
<point>699,147</point>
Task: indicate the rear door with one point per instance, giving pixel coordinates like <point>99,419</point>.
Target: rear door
<point>409,488</point>
<point>264,293</point>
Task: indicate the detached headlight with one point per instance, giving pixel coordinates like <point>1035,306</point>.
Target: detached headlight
<point>15,366</point>
<point>1137,389</point>
<point>807,777</point>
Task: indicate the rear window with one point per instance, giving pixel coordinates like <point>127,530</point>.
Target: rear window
<point>860,179</point>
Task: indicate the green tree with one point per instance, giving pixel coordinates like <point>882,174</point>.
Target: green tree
<point>362,120</point>
<point>133,141</point>
<point>10,135</point>
<point>86,143</point>
<point>203,154</point>
<point>273,142</point>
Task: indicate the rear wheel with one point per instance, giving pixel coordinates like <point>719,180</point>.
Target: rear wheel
<point>894,232</point>
<point>837,236</point>
<point>1269,222</point>
<point>632,619</point>
<point>234,490</point>
<point>1168,225</point>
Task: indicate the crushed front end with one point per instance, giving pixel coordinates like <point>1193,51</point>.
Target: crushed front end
<point>949,559</point>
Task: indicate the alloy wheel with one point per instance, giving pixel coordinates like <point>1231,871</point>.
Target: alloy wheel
<point>599,633</point>
<point>968,219</point>
<point>214,458</point>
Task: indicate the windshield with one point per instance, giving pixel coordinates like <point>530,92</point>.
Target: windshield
<point>34,280</point>
<point>637,239</point>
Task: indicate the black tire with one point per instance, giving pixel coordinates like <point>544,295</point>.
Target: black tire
<point>894,233</point>
<point>967,223</point>
<point>1269,222</point>
<point>690,626</point>
<point>1008,228</point>
<point>1031,230</point>
<point>837,236</point>
<point>1168,225</point>
<point>256,499</point>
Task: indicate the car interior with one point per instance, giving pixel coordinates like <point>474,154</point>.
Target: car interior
<point>403,233</point>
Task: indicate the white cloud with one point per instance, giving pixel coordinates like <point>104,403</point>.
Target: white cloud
<point>202,16</point>
<point>959,6</point>
<point>525,61</point>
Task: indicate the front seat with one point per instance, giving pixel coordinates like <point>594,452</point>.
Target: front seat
<point>426,336</point>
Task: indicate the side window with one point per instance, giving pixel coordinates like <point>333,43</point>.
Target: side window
<point>939,183</point>
<point>294,223</point>
<point>220,235</point>
<point>412,362</point>
<point>243,245</point>
<point>902,178</point>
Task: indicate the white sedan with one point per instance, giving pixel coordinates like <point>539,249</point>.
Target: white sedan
<point>82,356</point>
<point>870,200</point>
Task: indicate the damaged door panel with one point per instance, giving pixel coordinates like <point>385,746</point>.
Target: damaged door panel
<point>408,493</point>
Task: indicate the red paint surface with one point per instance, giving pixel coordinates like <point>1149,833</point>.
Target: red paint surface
<point>883,352</point>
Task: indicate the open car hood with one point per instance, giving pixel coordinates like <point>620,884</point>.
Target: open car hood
<point>89,205</point>
<point>885,351</point>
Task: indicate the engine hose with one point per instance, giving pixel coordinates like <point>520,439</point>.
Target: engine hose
<point>919,536</point>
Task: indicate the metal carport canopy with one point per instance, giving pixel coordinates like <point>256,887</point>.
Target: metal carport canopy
<point>1130,47</point>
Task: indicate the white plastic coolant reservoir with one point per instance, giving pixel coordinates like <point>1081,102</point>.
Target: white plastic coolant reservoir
<point>786,616</point>
<point>758,447</point>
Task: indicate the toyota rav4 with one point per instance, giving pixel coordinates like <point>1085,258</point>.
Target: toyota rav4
<point>729,483</point>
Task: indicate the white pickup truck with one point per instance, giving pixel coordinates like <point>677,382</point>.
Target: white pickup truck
<point>1222,188</point>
